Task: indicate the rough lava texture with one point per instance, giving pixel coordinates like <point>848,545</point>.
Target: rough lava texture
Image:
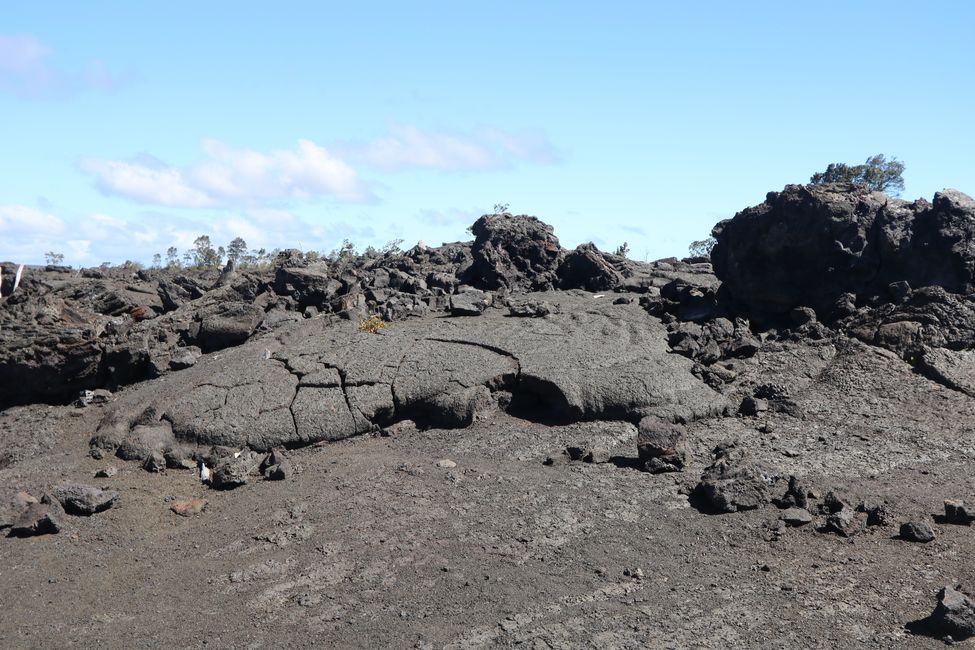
<point>316,381</point>
<point>522,447</point>
<point>514,252</point>
<point>808,245</point>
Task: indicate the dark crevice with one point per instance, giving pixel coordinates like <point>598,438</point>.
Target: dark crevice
<point>291,409</point>
<point>490,348</point>
<point>930,372</point>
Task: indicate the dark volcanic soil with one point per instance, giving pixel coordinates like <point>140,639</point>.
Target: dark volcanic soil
<point>372,544</point>
<point>481,472</point>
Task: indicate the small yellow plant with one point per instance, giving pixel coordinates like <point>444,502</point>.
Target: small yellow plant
<point>373,324</point>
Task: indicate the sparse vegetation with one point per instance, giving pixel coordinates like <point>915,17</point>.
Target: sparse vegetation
<point>236,250</point>
<point>876,172</point>
<point>344,253</point>
<point>623,250</point>
<point>501,208</point>
<point>52,258</point>
<point>204,255</point>
<point>702,247</point>
<point>373,325</point>
<point>172,258</point>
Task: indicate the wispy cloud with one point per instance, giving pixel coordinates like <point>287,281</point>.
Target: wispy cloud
<point>92,239</point>
<point>231,177</point>
<point>26,70</point>
<point>21,221</point>
<point>408,147</point>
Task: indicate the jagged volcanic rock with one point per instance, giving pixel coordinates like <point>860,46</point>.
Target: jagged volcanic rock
<point>808,245</point>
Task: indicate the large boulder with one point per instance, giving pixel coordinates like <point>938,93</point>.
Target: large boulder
<point>228,324</point>
<point>511,252</point>
<point>808,245</point>
<point>588,268</point>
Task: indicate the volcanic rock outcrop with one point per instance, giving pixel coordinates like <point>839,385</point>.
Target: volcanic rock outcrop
<point>810,245</point>
<point>317,381</point>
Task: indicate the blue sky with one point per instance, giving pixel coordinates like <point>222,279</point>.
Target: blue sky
<point>126,128</point>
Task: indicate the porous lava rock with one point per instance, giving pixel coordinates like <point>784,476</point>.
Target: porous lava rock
<point>808,245</point>
<point>588,268</point>
<point>514,251</point>
<point>317,381</point>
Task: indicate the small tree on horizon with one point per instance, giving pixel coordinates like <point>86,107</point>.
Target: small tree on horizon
<point>623,250</point>
<point>702,247</point>
<point>877,173</point>
<point>204,255</point>
<point>172,258</point>
<point>236,250</point>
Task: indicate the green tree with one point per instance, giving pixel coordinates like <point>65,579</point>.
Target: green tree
<point>344,253</point>
<point>622,250</point>
<point>54,259</point>
<point>392,246</point>
<point>236,250</point>
<point>172,258</point>
<point>204,255</point>
<point>877,173</point>
<point>702,247</point>
<point>156,261</point>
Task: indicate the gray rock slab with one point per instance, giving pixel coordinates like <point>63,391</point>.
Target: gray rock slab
<point>317,381</point>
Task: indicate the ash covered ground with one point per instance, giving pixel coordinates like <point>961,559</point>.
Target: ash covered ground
<point>542,448</point>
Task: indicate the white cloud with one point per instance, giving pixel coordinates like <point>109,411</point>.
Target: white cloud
<point>228,177</point>
<point>27,233</point>
<point>145,183</point>
<point>26,71</point>
<point>408,147</point>
<point>21,221</point>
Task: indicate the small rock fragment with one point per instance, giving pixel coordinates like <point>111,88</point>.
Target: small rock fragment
<point>84,500</point>
<point>662,445</point>
<point>276,467</point>
<point>446,463</point>
<point>185,357</point>
<point>472,302</point>
<point>106,472</point>
<point>877,514</point>
<point>531,309</point>
<point>14,506</point>
<point>40,518</point>
<point>954,615</point>
<point>796,516</point>
<point>89,397</point>
<point>188,507</point>
<point>916,531</point>
<point>844,522</point>
<point>232,472</point>
<point>833,502</point>
<point>753,406</point>
<point>956,512</point>
<point>733,482</point>
<point>795,495</point>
